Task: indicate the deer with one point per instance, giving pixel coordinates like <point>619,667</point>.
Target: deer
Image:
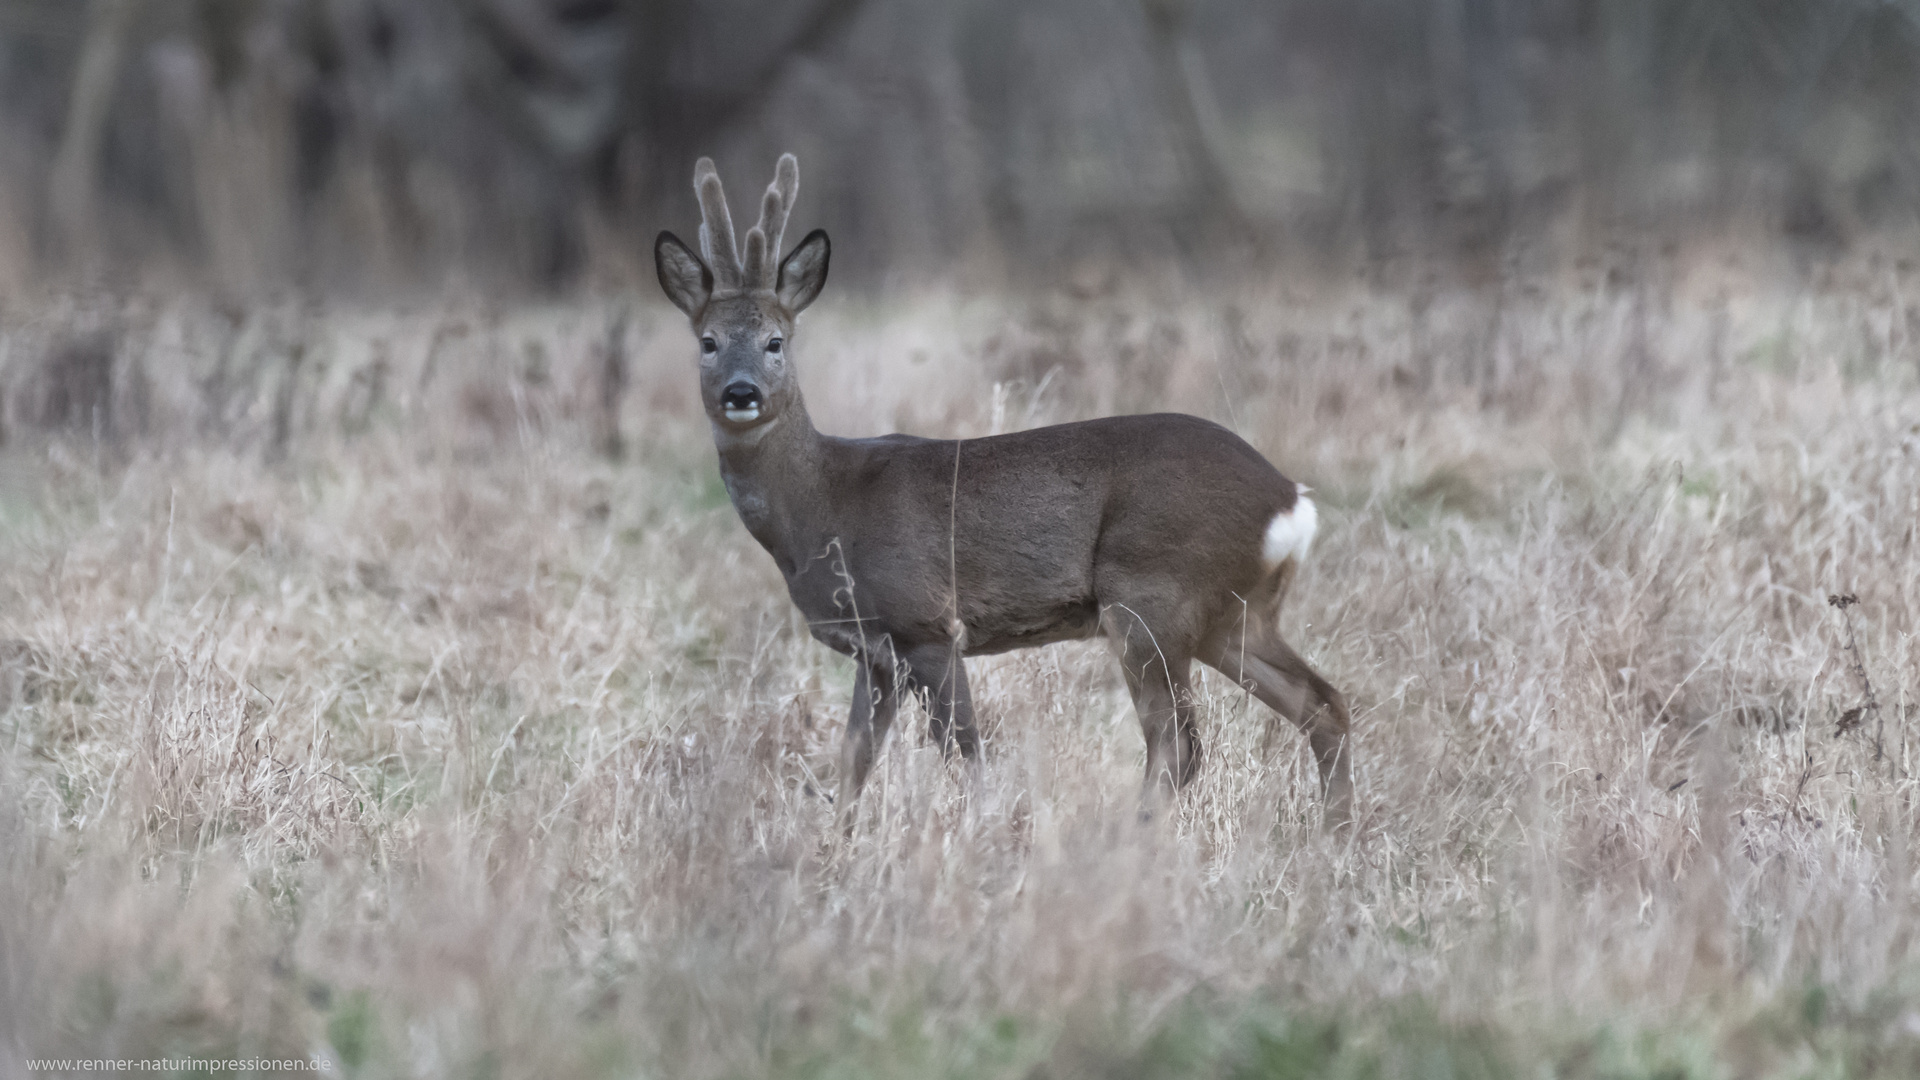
<point>1167,535</point>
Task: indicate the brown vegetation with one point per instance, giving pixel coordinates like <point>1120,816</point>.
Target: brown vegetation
<point>354,703</point>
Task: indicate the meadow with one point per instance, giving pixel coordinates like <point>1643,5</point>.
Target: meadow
<point>394,688</point>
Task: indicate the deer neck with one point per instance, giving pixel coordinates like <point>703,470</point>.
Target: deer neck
<point>773,473</point>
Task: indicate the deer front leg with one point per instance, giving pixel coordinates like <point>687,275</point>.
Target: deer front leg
<point>874,704</point>
<point>937,671</point>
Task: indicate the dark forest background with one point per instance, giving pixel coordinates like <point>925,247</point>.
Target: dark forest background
<point>364,145</point>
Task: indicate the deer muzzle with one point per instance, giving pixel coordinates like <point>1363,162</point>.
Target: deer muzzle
<point>741,403</point>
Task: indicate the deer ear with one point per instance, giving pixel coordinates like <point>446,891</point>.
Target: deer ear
<point>803,273</point>
<point>683,277</point>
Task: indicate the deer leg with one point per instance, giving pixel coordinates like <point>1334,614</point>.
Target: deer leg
<point>1158,675</point>
<point>874,705</point>
<point>938,671</point>
<point>1287,684</point>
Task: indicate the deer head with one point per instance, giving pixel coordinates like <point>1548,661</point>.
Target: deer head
<point>741,303</point>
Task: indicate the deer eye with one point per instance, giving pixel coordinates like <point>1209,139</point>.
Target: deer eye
<point>774,346</point>
<point>709,346</point>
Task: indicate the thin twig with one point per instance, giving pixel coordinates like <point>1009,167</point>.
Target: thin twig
<point>1869,704</point>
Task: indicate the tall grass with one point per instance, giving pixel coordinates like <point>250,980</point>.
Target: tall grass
<point>357,706</point>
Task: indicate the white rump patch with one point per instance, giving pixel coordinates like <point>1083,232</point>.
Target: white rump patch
<point>1290,532</point>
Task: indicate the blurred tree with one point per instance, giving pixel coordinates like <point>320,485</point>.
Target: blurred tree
<point>363,142</point>
<point>72,180</point>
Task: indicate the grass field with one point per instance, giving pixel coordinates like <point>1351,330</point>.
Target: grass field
<point>358,705</point>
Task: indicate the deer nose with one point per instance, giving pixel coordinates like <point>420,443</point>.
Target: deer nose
<point>740,401</point>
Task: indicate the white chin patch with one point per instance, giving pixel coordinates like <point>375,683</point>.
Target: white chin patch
<point>743,416</point>
<point>1290,533</point>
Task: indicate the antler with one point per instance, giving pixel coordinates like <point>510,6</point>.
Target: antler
<point>760,265</point>
<point>763,240</point>
<point>716,226</point>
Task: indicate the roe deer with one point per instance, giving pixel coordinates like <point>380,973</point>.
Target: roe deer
<point>1166,534</point>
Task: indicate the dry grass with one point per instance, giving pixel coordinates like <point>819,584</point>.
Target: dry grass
<point>355,707</point>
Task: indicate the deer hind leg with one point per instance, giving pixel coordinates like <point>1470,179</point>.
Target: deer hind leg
<point>938,672</point>
<point>1268,666</point>
<point>874,703</point>
<point>1158,671</point>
